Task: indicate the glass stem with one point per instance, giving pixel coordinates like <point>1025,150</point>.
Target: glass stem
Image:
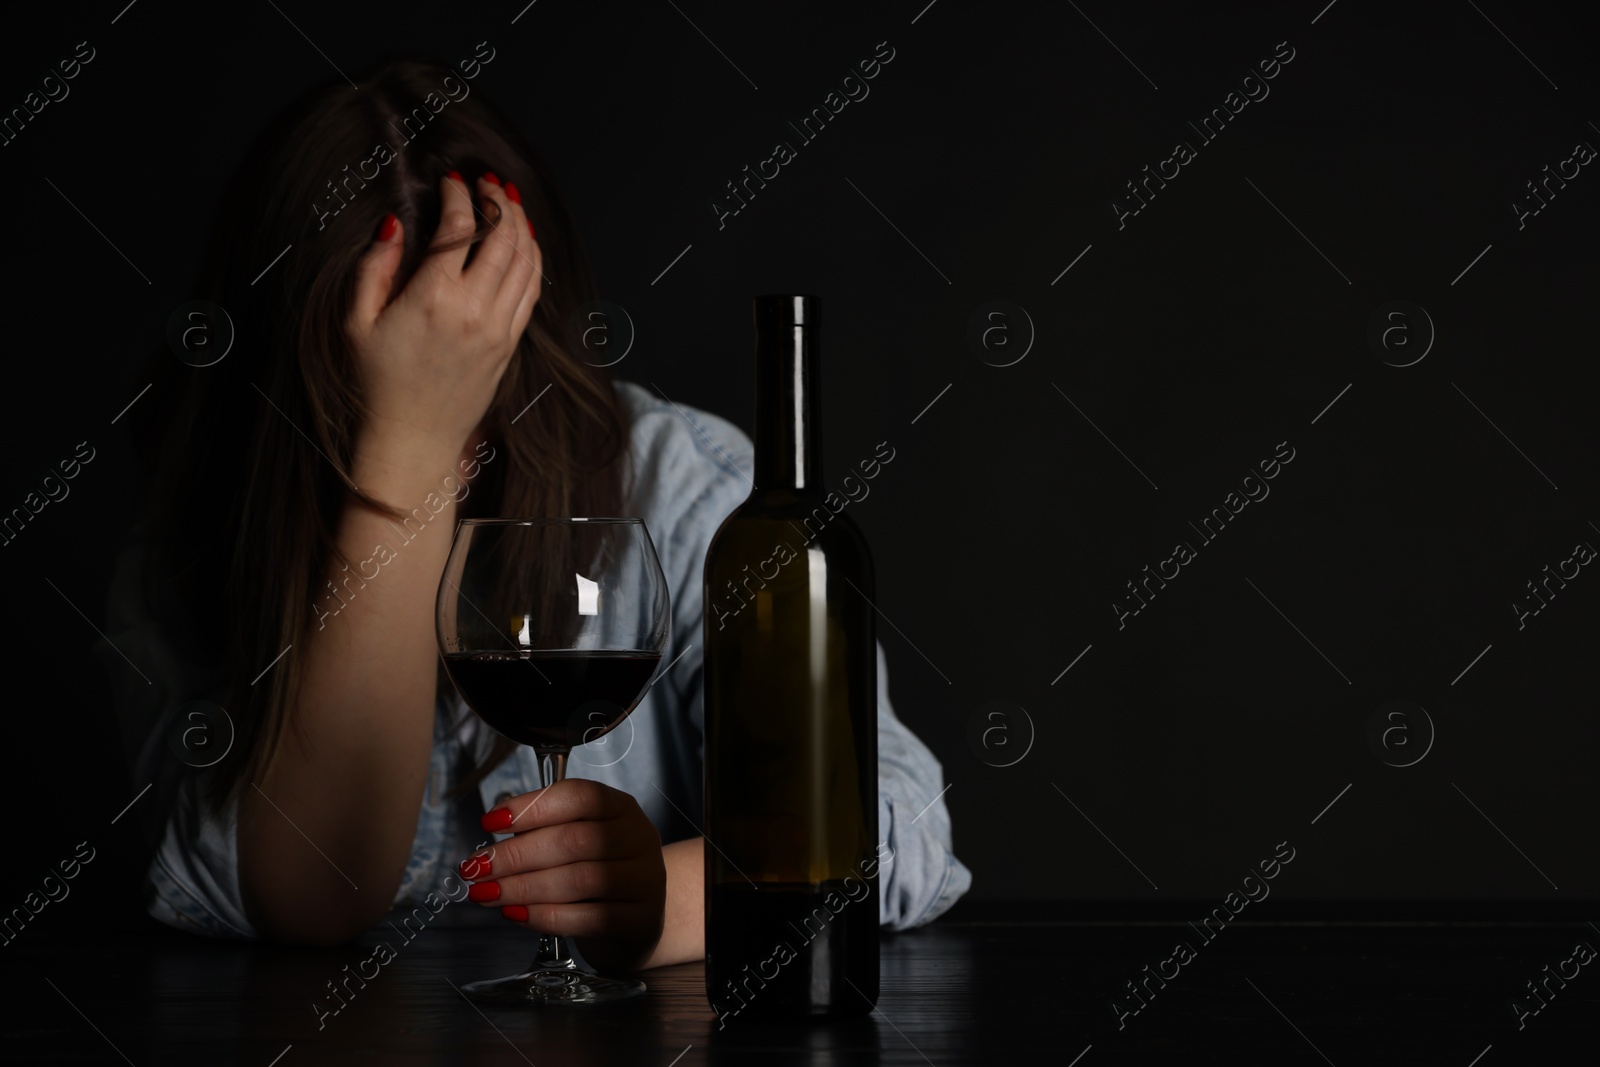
<point>552,954</point>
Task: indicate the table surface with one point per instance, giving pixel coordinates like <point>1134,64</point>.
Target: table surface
<point>952,993</point>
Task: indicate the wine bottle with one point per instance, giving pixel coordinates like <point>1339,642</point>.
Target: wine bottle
<point>791,714</point>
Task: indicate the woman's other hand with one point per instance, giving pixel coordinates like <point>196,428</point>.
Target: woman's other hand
<point>431,359</point>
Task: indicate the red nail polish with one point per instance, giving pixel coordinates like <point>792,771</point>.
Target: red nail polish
<point>390,224</point>
<point>489,177</point>
<point>512,194</point>
<point>497,820</point>
<point>530,229</point>
<point>474,867</point>
<point>517,913</point>
<point>483,892</point>
<point>456,175</point>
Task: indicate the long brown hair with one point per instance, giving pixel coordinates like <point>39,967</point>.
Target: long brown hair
<point>251,475</point>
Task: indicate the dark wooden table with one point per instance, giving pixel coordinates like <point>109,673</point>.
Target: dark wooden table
<point>979,992</point>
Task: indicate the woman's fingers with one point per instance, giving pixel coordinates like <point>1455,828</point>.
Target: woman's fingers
<point>375,274</point>
<point>567,884</point>
<point>572,822</point>
<point>456,222</point>
<point>497,280</point>
<point>584,860</point>
<point>571,798</point>
<point>530,293</point>
<point>589,919</point>
<point>499,248</point>
<point>519,288</point>
<point>553,846</point>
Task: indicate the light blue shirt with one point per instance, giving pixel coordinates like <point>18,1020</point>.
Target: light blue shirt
<point>690,470</point>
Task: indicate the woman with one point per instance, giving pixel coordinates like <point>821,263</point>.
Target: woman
<point>405,364</point>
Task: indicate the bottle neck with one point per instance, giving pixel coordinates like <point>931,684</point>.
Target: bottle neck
<point>788,423</point>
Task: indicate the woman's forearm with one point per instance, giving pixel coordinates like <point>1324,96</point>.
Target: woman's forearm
<point>325,837</point>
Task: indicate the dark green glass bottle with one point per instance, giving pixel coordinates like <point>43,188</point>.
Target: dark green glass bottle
<point>791,739</point>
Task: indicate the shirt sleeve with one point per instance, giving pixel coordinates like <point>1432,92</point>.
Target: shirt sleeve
<point>172,730</point>
<point>921,878</point>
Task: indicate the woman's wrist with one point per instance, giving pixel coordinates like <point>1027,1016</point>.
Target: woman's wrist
<point>400,470</point>
<point>682,934</point>
<point>639,948</point>
<point>620,954</point>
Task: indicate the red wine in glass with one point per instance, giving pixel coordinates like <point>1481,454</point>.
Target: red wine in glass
<point>547,699</point>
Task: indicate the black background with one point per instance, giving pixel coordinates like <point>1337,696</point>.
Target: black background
<point>1196,338</point>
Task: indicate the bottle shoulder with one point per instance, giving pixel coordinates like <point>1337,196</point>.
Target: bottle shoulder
<point>797,523</point>
<point>812,517</point>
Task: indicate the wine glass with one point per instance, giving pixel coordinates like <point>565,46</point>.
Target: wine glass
<point>552,629</point>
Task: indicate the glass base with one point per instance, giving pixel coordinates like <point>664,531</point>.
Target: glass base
<point>553,985</point>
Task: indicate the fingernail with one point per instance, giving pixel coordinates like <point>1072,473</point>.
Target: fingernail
<point>456,175</point>
<point>390,224</point>
<point>517,913</point>
<point>475,867</point>
<point>489,177</point>
<point>512,194</point>
<point>530,229</point>
<point>483,892</point>
<point>497,820</point>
